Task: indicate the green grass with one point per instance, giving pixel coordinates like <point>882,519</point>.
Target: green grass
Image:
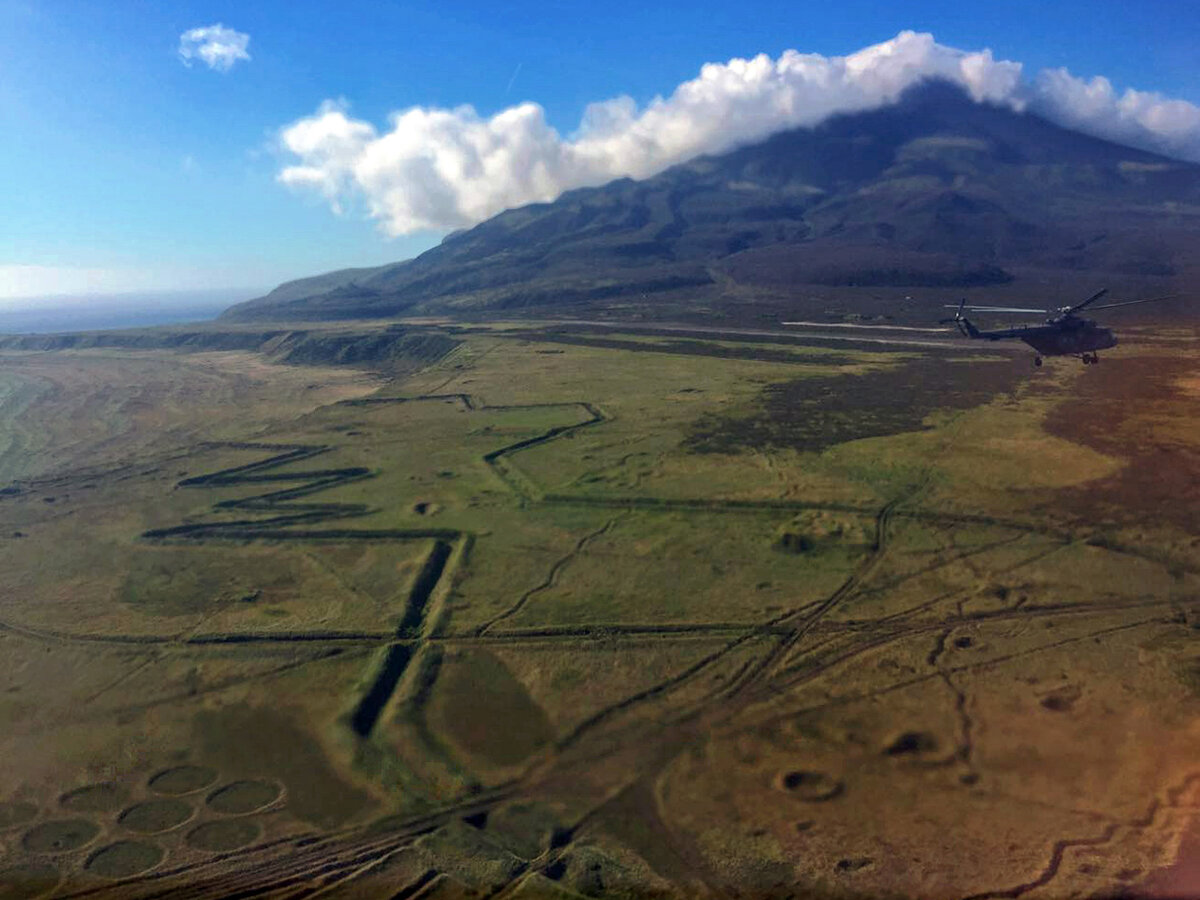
<point>605,589</point>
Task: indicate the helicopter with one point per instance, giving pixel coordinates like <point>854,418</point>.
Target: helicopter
<point>1062,334</point>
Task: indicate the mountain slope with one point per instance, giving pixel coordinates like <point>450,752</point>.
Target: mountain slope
<point>935,190</point>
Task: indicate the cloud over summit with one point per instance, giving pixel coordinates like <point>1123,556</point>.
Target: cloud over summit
<point>442,169</point>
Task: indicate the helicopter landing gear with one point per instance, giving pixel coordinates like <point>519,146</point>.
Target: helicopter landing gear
<point>1090,359</point>
<point>1037,361</point>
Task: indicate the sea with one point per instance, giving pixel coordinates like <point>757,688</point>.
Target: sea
<point>102,312</point>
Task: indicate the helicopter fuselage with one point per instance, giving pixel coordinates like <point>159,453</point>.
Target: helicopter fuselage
<point>1063,333</point>
<point>1058,340</point>
<point>1069,336</point>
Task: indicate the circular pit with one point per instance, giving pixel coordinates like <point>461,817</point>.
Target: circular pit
<point>220,837</point>
<point>60,836</point>
<point>154,816</point>
<point>103,797</point>
<point>182,780</point>
<point>124,859</point>
<point>242,797</point>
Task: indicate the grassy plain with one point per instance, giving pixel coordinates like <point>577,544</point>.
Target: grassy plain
<point>571,615</point>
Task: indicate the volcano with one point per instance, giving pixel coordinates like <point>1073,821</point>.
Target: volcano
<point>935,193</point>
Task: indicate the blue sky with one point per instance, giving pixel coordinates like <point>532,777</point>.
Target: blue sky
<point>120,160</point>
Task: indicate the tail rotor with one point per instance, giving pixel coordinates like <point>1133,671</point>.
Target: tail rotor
<point>960,321</point>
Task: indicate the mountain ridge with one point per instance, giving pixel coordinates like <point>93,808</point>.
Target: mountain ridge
<point>934,191</point>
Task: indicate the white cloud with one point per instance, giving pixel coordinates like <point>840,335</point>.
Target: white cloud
<point>216,46</point>
<point>441,169</point>
<point>1143,119</point>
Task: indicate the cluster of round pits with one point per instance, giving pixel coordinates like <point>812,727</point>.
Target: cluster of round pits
<point>157,815</point>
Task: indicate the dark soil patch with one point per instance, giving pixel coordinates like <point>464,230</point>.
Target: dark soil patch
<point>60,836</point>
<point>182,780</point>
<point>815,787</point>
<point>104,797</point>
<point>124,859</point>
<point>28,882</point>
<point>790,542</point>
<point>16,813</point>
<point>243,797</point>
<point>813,414</point>
<point>912,743</point>
<point>485,711</point>
<point>154,816</point>
<point>254,742</point>
<point>854,864</point>
<point>219,837</point>
<point>1127,408</point>
<point>1062,699</point>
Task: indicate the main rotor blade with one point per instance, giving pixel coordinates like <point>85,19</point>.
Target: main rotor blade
<point>1003,309</point>
<point>1135,302</point>
<point>1088,302</point>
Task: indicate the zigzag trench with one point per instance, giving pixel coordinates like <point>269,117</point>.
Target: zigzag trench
<point>316,864</point>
